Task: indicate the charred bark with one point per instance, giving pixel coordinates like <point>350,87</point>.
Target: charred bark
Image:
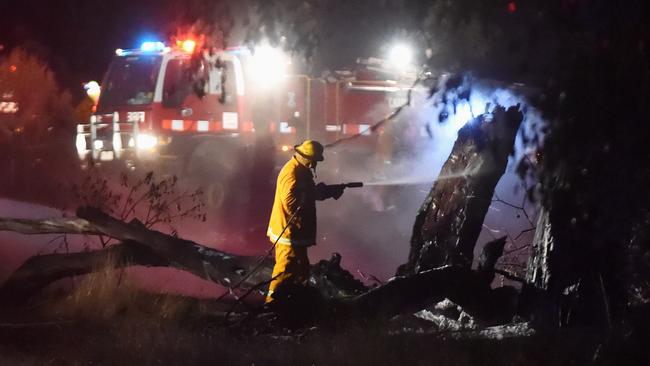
<point>412,293</point>
<point>537,273</point>
<point>465,287</point>
<point>450,220</point>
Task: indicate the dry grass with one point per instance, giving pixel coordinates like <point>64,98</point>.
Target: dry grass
<point>107,294</point>
<point>103,294</point>
<point>106,320</point>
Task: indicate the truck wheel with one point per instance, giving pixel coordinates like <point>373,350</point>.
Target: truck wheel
<point>215,165</point>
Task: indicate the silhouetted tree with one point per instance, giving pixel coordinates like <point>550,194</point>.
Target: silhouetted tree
<point>40,106</point>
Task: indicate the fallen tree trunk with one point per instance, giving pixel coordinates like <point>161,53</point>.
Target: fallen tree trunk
<point>59,225</point>
<point>202,261</point>
<point>468,288</point>
<point>450,220</point>
<point>407,294</point>
<point>141,247</point>
<point>39,271</point>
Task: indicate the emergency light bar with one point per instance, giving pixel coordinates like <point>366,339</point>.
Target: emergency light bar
<point>152,46</point>
<point>187,46</point>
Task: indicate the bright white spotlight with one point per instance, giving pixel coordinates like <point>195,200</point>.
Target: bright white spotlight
<point>400,56</point>
<point>268,65</point>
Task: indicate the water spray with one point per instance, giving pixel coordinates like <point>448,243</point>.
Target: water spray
<point>420,180</point>
<point>399,182</point>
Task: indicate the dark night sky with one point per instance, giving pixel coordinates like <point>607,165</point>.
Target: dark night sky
<point>78,37</point>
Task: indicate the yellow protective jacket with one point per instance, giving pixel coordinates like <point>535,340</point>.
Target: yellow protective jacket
<point>295,188</point>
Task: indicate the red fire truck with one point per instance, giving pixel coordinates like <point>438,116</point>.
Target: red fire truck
<point>198,110</point>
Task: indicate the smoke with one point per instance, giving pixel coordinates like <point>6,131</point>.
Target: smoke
<point>372,226</point>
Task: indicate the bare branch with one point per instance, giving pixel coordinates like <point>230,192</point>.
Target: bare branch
<point>525,231</point>
<point>512,264</point>
<point>509,275</point>
<point>521,208</point>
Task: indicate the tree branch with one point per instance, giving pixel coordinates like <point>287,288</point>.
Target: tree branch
<point>41,270</point>
<point>61,225</point>
<point>200,260</point>
<point>509,275</point>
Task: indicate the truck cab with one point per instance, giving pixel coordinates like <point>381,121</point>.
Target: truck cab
<point>155,97</point>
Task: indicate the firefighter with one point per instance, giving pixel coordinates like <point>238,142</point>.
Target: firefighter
<point>292,227</point>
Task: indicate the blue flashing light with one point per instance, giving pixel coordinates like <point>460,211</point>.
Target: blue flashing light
<point>152,46</point>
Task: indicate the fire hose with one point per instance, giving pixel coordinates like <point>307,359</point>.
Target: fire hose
<point>346,185</point>
<point>270,250</point>
<point>261,262</point>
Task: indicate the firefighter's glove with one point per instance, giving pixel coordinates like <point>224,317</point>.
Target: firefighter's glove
<point>336,191</point>
<point>324,191</point>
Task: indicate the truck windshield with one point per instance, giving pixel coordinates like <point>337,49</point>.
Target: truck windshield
<point>130,80</point>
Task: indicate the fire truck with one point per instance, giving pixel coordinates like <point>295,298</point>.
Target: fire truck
<point>200,111</point>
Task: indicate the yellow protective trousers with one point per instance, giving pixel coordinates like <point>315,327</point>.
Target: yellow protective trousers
<point>291,266</point>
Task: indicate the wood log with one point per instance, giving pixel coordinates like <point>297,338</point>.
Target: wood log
<point>468,288</point>
<point>205,262</point>
<point>59,225</point>
<point>41,270</point>
<point>450,220</point>
<point>407,294</point>
<point>348,298</point>
<point>141,246</point>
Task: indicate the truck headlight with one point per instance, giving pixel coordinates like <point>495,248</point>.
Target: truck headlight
<point>145,141</point>
<point>117,141</point>
<point>80,143</point>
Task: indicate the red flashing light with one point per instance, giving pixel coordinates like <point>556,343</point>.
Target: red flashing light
<point>188,45</point>
<point>13,68</point>
<point>512,7</point>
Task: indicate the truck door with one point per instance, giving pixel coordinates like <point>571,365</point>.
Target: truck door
<point>199,97</point>
<point>183,90</point>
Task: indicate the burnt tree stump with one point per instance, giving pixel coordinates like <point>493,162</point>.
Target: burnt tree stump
<point>450,220</point>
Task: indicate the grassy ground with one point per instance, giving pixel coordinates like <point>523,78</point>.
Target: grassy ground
<point>142,341</point>
<point>106,321</point>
